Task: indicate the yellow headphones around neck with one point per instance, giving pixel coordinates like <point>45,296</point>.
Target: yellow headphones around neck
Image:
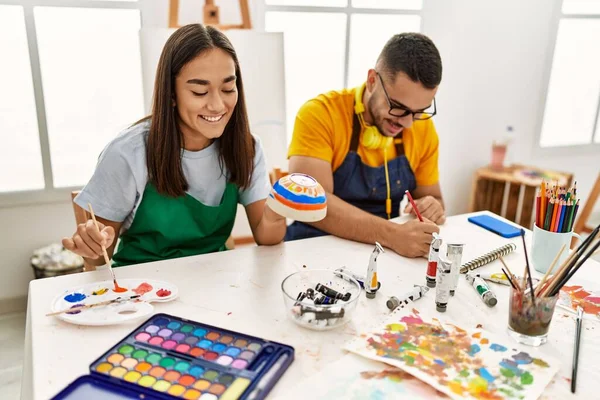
<point>371,138</point>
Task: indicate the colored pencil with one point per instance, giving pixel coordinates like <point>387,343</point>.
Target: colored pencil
<point>554,211</point>
<point>563,210</point>
<point>543,204</point>
<point>538,207</point>
<point>414,206</point>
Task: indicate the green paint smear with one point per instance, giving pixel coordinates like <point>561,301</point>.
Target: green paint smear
<point>507,372</point>
<point>409,360</point>
<point>464,373</point>
<point>526,378</point>
<point>409,346</point>
<point>540,363</point>
<point>516,386</point>
<point>507,392</point>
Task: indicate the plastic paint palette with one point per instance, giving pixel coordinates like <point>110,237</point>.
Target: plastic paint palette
<point>176,358</point>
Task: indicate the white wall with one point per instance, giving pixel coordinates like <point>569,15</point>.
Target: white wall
<point>494,56</point>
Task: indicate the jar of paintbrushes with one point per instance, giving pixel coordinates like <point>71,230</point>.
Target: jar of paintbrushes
<point>531,308</point>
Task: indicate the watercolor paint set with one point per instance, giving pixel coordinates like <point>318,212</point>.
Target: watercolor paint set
<point>169,357</point>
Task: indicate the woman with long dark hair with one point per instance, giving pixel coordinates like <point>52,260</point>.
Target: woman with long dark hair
<point>169,185</point>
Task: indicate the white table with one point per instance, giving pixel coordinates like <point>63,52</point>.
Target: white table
<point>240,290</point>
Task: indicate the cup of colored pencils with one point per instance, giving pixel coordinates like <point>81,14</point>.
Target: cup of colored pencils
<point>555,213</point>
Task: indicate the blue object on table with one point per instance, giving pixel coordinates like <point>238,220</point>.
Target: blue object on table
<point>496,225</point>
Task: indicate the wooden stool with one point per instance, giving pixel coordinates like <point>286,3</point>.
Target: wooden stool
<point>508,193</point>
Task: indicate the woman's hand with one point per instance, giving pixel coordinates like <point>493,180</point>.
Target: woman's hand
<point>88,240</point>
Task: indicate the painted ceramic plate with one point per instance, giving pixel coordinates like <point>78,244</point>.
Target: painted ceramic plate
<point>299,197</point>
<point>114,313</point>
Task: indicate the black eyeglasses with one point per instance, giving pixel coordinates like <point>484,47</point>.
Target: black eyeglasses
<point>399,111</point>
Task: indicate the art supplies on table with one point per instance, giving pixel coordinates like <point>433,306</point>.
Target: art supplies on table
<point>454,253</point>
<point>495,225</point>
<point>488,258</point>
<point>415,294</point>
<point>483,290</point>
<point>459,362</point>
<point>320,299</point>
<point>556,208</point>
<point>299,197</point>
<point>353,377</point>
<point>371,283</point>
<point>443,284</point>
<point>168,357</point>
<point>99,304</point>
<point>432,261</point>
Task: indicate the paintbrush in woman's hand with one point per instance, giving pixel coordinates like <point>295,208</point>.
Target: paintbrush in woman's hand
<point>105,254</point>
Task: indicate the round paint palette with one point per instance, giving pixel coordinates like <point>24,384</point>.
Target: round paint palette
<point>119,311</point>
<point>299,197</point>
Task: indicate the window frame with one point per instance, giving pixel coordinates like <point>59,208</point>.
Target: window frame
<point>567,150</point>
<point>348,11</point>
<point>49,194</point>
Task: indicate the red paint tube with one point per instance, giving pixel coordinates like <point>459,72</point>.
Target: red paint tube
<point>434,255</point>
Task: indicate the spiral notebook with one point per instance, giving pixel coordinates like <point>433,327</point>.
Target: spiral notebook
<point>488,258</point>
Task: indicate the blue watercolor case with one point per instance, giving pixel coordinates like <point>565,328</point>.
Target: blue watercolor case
<point>167,357</point>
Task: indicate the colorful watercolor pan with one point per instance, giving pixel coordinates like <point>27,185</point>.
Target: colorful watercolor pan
<point>177,358</point>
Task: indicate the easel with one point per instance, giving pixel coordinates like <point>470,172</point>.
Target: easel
<point>211,15</point>
<point>581,224</point>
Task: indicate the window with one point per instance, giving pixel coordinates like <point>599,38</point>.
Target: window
<point>74,81</point>
<point>331,44</point>
<point>571,114</point>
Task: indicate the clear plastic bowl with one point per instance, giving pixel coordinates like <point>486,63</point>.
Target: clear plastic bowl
<point>319,316</point>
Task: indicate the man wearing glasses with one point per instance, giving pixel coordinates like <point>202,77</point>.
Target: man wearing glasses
<point>369,144</point>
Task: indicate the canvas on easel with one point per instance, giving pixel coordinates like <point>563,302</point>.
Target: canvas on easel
<point>211,15</point>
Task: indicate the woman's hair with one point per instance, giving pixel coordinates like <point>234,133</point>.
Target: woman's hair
<point>165,141</point>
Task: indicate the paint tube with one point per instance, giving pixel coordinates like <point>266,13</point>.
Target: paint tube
<point>322,299</point>
<point>414,295</point>
<point>496,277</point>
<point>484,291</point>
<point>434,252</point>
<point>344,272</point>
<point>443,284</point>
<point>454,252</point>
<point>327,291</point>
<point>371,285</point>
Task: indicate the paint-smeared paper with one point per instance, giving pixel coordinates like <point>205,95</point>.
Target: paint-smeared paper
<point>461,363</point>
<point>356,378</point>
<point>572,296</point>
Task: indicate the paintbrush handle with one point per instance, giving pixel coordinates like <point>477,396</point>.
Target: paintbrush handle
<point>576,350</point>
<point>86,306</point>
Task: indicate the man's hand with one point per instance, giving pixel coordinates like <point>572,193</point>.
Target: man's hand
<point>430,208</point>
<point>413,238</point>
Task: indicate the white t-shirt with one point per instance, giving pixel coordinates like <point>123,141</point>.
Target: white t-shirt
<point>118,183</point>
